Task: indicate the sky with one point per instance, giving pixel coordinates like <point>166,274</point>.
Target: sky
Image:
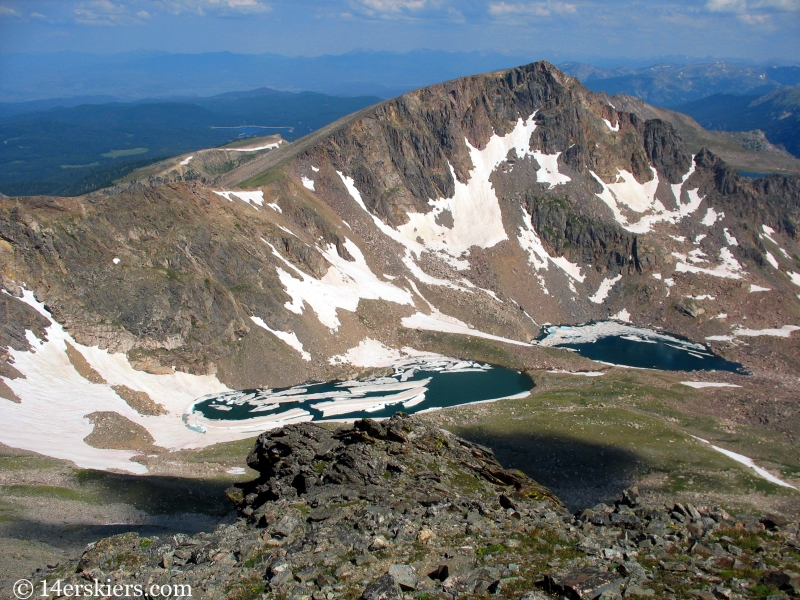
<point>755,30</point>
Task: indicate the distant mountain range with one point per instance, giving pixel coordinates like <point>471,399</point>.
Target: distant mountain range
<point>73,150</point>
<point>777,114</point>
<point>157,74</point>
<point>669,85</point>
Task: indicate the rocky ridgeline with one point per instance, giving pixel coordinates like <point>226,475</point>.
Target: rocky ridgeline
<point>402,509</point>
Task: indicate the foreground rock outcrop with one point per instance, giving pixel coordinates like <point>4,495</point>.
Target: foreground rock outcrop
<point>403,509</point>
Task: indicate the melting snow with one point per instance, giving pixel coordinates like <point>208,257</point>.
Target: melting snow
<point>275,207</point>
<point>438,321</point>
<point>758,288</point>
<point>236,471</point>
<point>784,332</point>
<point>795,277</point>
<point>54,394</point>
<point>583,373</point>
<point>290,338</point>
<point>611,127</point>
<point>474,207</point>
<point>771,260</point>
<point>372,353</point>
<point>729,268</point>
<point>748,462</point>
<point>315,169</point>
<point>622,315</point>
<point>732,241</point>
<point>708,384</point>
<point>637,197</point>
<point>116,261</point>
<point>604,290</point>
<point>343,286</point>
<point>711,217</point>
<point>309,183</point>
<point>186,161</point>
<point>251,197</point>
<point>256,149</point>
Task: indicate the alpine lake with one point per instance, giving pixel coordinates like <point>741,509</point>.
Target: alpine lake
<point>430,382</point>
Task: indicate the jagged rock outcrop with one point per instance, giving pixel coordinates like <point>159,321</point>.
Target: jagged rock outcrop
<point>401,509</point>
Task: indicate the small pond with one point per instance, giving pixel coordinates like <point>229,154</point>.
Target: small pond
<point>617,343</point>
<point>415,386</point>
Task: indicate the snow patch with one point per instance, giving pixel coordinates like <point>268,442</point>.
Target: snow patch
<point>758,288</point>
<point>186,161</point>
<point>251,197</point>
<point>622,315</point>
<point>708,384</point>
<point>308,183</point>
<point>373,354</point>
<point>625,193</point>
<point>54,394</point>
<point>605,289</point>
<point>711,217</point>
<point>257,148</point>
<point>342,287</point>
<point>783,332</point>
<point>748,462</point>
<point>290,338</point>
<point>771,260</point>
<point>611,127</point>
<point>583,373</point>
<point>275,207</point>
<point>116,261</point>
<point>538,257</point>
<point>438,321</point>
<point>728,269</point>
<point>732,241</point>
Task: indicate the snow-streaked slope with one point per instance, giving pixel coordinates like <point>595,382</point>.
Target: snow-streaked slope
<point>729,267</point>
<point>56,399</point>
<point>342,287</point>
<point>627,199</point>
<point>474,207</point>
<point>538,257</point>
<point>290,338</point>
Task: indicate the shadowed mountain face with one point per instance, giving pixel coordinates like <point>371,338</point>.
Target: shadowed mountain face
<point>458,219</point>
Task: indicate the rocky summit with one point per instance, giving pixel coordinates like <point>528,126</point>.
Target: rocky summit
<point>402,509</point>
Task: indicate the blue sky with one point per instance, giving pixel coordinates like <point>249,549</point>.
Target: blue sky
<point>555,29</point>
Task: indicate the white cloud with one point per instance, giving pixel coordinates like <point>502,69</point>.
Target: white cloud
<point>7,12</point>
<point>143,14</point>
<point>102,12</point>
<point>392,6</point>
<point>203,7</point>
<point>745,6</point>
<point>535,9</point>
<point>36,15</point>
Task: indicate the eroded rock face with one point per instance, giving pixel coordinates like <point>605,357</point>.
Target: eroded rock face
<point>399,508</point>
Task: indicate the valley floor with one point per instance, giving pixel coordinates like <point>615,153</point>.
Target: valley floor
<point>585,437</point>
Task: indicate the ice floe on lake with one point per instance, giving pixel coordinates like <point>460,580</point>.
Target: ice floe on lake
<point>416,376</point>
